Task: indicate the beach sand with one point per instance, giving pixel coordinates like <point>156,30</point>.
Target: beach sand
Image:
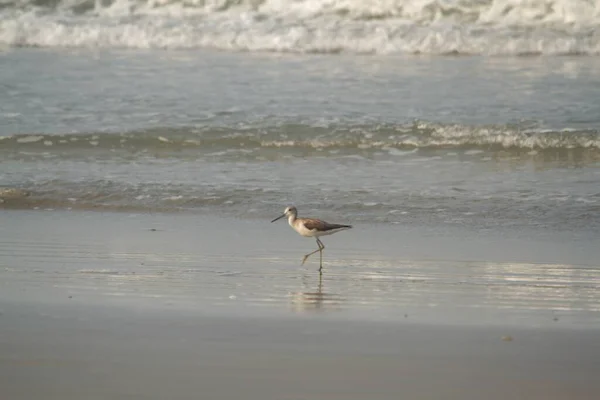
<point>155,306</point>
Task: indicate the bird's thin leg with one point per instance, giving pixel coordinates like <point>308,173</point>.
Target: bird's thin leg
<point>310,254</point>
<point>321,248</point>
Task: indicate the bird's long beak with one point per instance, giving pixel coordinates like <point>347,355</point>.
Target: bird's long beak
<point>281,216</point>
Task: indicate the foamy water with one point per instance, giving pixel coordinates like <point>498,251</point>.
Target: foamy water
<point>492,27</point>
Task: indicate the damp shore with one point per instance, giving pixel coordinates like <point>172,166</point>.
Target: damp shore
<point>154,306</point>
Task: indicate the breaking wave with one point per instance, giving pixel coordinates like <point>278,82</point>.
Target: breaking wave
<point>251,142</point>
<point>494,27</point>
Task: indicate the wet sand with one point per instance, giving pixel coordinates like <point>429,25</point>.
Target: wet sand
<point>151,306</point>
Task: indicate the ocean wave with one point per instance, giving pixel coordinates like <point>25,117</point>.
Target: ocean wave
<point>298,139</point>
<point>494,27</point>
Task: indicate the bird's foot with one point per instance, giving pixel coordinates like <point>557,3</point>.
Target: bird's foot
<point>304,260</point>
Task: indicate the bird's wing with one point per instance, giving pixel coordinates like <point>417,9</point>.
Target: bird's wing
<point>311,224</point>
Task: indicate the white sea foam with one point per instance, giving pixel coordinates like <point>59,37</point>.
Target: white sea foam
<point>325,26</point>
<point>29,139</point>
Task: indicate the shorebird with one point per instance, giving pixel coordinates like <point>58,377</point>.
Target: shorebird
<point>311,227</point>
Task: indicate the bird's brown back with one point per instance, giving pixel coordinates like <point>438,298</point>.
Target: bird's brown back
<point>313,223</point>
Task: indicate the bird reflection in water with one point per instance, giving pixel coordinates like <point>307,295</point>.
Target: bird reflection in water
<point>312,299</point>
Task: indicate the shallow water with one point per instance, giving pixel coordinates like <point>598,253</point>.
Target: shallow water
<point>229,267</point>
<point>469,141</point>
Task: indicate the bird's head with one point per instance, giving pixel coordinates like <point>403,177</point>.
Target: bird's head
<point>291,210</point>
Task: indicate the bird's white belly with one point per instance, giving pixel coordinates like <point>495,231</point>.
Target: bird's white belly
<point>301,229</point>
